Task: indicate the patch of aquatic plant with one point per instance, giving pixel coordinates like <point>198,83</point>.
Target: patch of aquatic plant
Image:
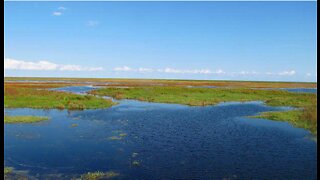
<point>211,96</point>
<point>115,138</point>
<point>99,175</point>
<point>136,163</point>
<point>38,96</point>
<point>7,170</point>
<point>23,119</point>
<point>120,136</point>
<point>74,125</point>
<point>76,118</point>
<point>134,155</point>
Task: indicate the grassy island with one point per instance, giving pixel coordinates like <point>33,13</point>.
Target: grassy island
<point>23,119</point>
<point>38,95</point>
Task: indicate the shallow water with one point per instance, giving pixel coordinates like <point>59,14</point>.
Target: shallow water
<point>75,89</point>
<point>296,90</point>
<point>169,141</point>
<point>301,90</point>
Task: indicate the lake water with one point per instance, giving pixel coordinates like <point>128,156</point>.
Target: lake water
<point>301,90</point>
<point>168,141</point>
<point>296,90</point>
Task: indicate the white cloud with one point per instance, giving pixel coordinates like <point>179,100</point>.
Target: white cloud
<point>308,74</point>
<point>92,23</point>
<point>287,73</point>
<point>145,70</point>
<point>283,73</point>
<point>59,11</point>
<point>44,66</point>
<point>220,71</point>
<point>169,70</point>
<point>188,71</point>
<point>124,68</point>
<point>62,8</point>
<point>95,69</point>
<point>56,13</point>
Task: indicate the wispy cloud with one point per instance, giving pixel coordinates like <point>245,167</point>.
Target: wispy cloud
<point>204,71</point>
<point>144,70</point>
<point>62,8</point>
<point>287,73</point>
<point>92,23</point>
<point>283,73</point>
<point>124,68</point>
<point>189,71</point>
<point>169,70</point>
<point>45,66</point>
<point>59,11</point>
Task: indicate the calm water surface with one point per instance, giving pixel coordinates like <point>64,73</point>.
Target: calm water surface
<point>296,90</point>
<point>168,141</point>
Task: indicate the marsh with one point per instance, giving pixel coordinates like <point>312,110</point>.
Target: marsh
<point>167,140</point>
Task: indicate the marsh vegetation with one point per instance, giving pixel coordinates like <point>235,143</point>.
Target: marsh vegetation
<point>116,134</point>
<point>165,82</point>
<point>38,95</point>
<point>23,119</point>
<point>98,175</point>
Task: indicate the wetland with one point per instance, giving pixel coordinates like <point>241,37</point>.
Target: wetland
<point>164,132</point>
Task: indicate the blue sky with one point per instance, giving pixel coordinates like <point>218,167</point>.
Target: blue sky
<point>267,41</point>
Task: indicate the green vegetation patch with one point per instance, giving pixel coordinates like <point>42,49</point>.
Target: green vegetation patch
<point>298,118</point>
<point>122,134</point>
<point>207,96</point>
<point>23,119</point>
<point>99,175</point>
<point>29,96</point>
<point>136,163</point>
<point>115,138</point>
<point>74,125</point>
<point>7,170</point>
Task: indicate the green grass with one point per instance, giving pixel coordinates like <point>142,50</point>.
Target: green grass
<point>173,82</point>
<point>30,96</point>
<point>23,119</point>
<point>115,138</point>
<point>74,125</point>
<point>99,175</point>
<point>307,118</point>
<point>7,170</point>
<point>123,135</point>
<point>295,117</point>
<point>207,96</point>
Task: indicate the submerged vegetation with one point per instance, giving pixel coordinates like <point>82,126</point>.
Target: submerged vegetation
<point>74,125</point>
<point>99,175</point>
<point>136,163</point>
<point>23,119</point>
<point>37,95</point>
<point>306,118</point>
